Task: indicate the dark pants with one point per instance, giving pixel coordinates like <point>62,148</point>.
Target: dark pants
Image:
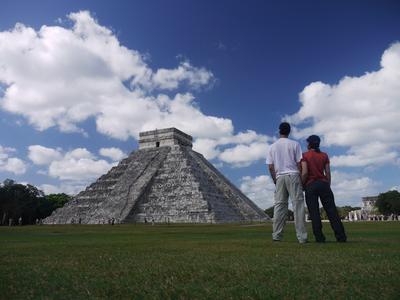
<point>321,189</point>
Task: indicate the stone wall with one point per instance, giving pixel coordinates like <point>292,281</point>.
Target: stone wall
<point>164,137</point>
<point>113,194</point>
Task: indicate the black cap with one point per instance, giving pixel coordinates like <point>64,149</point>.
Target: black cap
<point>314,140</point>
<point>284,128</point>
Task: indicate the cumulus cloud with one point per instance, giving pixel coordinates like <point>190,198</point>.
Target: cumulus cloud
<point>360,113</point>
<point>76,165</point>
<point>74,169</point>
<point>182,112</point>
<point>395,188</point>
<point>260,189</point>
<point>59,76</point>
<point>248,147</point>
<point>113,153</point>
<point>372,153</point>
<point>239,150</point>
<point>9,163</point>
<point>170,79</point>
<point>207,147</point>
<point>69,188</point>
<point>350,188</point>
<point>243,155</point>
<point>40,155</point>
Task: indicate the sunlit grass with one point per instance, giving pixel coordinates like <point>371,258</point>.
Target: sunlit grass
<point>197,262</point>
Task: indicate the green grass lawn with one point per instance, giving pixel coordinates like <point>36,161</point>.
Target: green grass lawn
<point>197,262</point>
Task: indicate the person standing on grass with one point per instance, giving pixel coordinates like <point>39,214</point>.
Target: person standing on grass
<point>284,162</point>
<point>316,177</point>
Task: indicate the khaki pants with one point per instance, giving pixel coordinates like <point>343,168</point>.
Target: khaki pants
<point>289,186</point>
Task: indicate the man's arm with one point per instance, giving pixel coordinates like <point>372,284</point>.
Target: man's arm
<point>328,173</point>
<point>272,172</point>
<point>304,172</point>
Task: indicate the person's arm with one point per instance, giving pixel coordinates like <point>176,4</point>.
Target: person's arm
<point>304,172</point>
<point>298,157</point>
<point>272,172</point>
<point>328,173</point>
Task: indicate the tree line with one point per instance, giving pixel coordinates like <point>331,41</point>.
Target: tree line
<point>25,204</point>
<point>388,203</point>
<point>343,212</point>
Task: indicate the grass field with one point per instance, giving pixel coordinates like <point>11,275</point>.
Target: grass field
<point>197,262</point>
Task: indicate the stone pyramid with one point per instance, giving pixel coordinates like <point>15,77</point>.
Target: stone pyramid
<point>164,181</point>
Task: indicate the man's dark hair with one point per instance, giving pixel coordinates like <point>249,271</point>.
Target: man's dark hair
<point>284,128</point>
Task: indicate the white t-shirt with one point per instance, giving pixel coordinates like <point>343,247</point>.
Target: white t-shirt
<point>284,154</point>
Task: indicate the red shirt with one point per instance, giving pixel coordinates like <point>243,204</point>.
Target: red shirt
<point>316,162</point>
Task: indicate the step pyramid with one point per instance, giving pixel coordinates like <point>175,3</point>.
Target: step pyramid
<point>163,181</point>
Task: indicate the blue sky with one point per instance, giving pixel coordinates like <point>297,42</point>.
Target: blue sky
<point>79,80</point>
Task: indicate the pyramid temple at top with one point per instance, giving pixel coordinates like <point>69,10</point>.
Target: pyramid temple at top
<point>163,181</point>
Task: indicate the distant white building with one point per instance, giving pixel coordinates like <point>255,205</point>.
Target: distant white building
<point>367,211</point>
<point>369,204</point>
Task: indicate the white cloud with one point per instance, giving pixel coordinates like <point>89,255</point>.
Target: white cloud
<point>239,150</point>
<point>364,155</point>
<point>76,165</point>
<point>350,188</point>
<point>360,113</point>
<point>207,147</point>
<point>79,153</point>
<point>40,155</point>
<point>243,155</point>
<point>248,137</point>
<point>113,153</point>
<point>260,189</point>
<point>170,79</point>
<point>75,169</point>
<point>395,188</point>
<point>183,113</point>
<point>69,188</point>
<point>78,169</point>
<point>80,165</point>
<point>11,164</point>
<point>59,76</point>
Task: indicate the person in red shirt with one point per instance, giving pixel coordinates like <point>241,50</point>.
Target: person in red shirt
<point>316,178</point>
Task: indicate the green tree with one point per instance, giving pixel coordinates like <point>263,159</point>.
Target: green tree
<point>388,203</point>
<point>27,202</point>
<point>18,201</point>
<point>49,203</point>
<point>342,211</point>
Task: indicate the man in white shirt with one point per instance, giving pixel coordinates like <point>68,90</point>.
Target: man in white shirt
<point>283,159</point>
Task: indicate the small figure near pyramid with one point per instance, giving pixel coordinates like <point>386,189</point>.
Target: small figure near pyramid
<point>164,181</point>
